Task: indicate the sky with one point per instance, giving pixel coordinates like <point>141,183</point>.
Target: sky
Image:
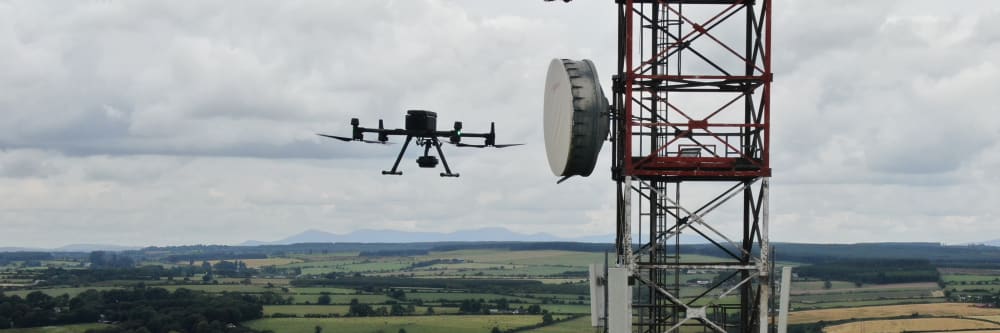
<point>192,122</point>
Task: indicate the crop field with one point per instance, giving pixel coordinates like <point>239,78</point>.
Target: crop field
<point>258,263</point>
<point>538,257</point>
<point>352,265</point>
<point>412,324</point>
<point>816,287</point>
<point>71,291</point>
<point>543,257</point>
<point>255,281</point>
<point>863,296</point>
<point>851,304</point>
<point>303,310</point>
<point>324,256</point>
<point>218,288</point>
<point>343,299</point>
<point>449,296</point>
<point>496,270</point>
<point>904,325</point>
<point>567,308</point>
<point>807,295</point>
<point>939,310</point>
<point>959,278</point>
<point>320,290</point>
<point>578,325</point>
<point>560,280</point>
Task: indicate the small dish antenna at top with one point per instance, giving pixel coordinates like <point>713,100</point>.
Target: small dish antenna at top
<point>575,117</point>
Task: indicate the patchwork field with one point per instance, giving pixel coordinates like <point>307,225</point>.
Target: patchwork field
<point>412,324</point>
<point>905,325</point>
<point>298,281</point>
<point>888,311</point>
<point>258,263</point>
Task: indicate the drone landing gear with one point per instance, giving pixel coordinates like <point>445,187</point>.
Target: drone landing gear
<point>425,161</point>
<point>437,144</point>
<point>399,157</point>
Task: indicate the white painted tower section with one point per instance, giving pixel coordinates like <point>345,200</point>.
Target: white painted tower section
<point>786,288</point>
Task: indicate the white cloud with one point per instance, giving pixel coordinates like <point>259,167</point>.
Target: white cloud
<point>177,123</point>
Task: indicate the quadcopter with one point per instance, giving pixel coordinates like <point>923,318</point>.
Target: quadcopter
<point>422,126</point>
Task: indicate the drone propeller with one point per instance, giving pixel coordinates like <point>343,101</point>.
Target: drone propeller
<point>484,146</point>
<point>349,139</point>
<point>336,137</point>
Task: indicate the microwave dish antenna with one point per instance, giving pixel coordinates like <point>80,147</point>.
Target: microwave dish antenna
<point>575,117</point>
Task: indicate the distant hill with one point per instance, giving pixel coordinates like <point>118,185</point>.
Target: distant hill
<point>470,235</point>
<point>995,242</point>
<point>94,247</point>
<point>73,248</point>
<point>395,236</point>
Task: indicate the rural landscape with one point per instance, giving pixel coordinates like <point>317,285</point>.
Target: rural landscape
<point>464,287</point>
<point>534,166</point>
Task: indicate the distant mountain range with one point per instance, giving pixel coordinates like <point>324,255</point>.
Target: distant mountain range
<point>470,235</point>
<point>72,248</point>
<point>395,236</point>
<point>995,242</point>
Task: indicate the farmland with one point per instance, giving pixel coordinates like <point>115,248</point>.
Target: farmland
<point>938,310</point>
<point>417,324</point>
<point>476,289</point>
<point>903,325</point>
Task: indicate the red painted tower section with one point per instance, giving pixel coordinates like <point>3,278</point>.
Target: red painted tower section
<point>691,118</point>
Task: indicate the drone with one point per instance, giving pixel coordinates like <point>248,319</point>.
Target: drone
<point>422,126</point>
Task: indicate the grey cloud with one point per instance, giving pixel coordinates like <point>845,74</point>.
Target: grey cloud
<point>177,123</point>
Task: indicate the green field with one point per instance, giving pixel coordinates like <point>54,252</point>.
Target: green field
<point>218,288</point>
<point>302,310</point>
<point>350,265</point>
<point>343,299</point>
<point>567,308</point>
<point>959,278</point>
<point>412,324</point>
<point>433,297</point>
<point>578,325</point>
<point>71,291</point>
<point>795,306</point>
<point>319,290</point>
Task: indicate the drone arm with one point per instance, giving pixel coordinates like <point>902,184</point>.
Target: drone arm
<point>398,131</point>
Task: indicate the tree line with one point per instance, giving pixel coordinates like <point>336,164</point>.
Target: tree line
<point>876,271</point>
<point>140,309</point>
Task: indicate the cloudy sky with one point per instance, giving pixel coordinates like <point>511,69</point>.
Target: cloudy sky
<point>165,122</point>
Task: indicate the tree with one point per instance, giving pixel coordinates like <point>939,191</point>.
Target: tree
<point>827,284</point>
<point>495,330</point>
<point>547,318</point>
<point>318,329</point>
<point>323,299</point>
<point>502,304</point>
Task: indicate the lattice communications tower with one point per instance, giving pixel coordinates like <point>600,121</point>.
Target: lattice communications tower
<point>690,132</point>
